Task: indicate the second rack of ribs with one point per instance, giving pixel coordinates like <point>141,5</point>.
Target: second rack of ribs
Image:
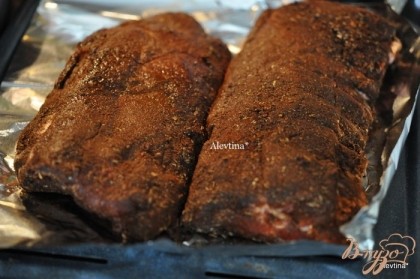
<point>301,93</point>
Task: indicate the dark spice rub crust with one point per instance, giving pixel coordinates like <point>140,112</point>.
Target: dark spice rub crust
<point>122,128</point>
<point>301,94</point>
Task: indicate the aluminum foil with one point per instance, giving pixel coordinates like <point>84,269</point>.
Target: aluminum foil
<point>59,25</point>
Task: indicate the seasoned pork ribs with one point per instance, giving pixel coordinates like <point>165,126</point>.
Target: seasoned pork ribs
<point>123,126</point>
<point>296,107</point>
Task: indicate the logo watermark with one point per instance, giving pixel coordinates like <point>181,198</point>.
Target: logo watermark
<point>393,253</point>
<point>230,145</point>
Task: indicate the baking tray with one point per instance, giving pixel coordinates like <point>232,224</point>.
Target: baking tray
<point>15,16</point>
<point>399,213</point>
<point>163,259</point>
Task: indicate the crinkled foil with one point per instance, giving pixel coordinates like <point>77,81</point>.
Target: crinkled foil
<point>59,25</point>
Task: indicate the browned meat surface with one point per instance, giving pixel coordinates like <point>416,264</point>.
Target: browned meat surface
<point>122,128</point>
<point>296,98</point>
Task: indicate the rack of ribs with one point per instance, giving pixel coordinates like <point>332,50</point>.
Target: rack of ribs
<point>122,128</point>
<point>300,96</point>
